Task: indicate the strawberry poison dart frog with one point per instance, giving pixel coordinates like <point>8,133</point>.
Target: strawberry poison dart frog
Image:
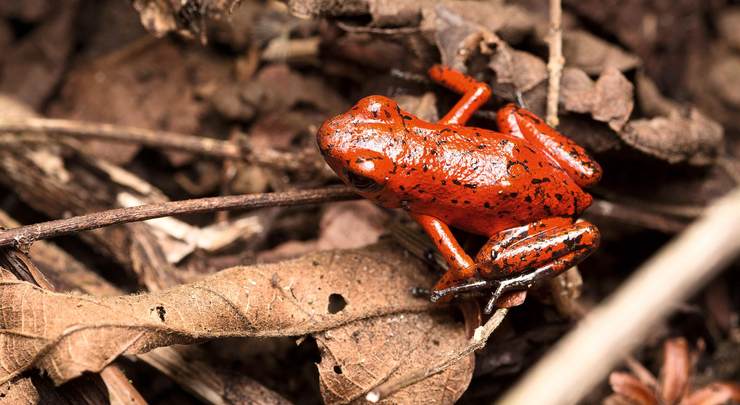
<point>521,187</point>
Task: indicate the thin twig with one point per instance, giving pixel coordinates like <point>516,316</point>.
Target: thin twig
<point>27,234</point>
<point>555,62</point>
<point>585,356</point>
<point>638,216</point>
<point>478,341</point>
<point>160,139</point>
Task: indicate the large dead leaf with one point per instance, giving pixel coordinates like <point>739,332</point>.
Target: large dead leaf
<point>65,335</point>
<point>358,357</point>
<point>609,99</point>
<point>677,133</point>
<point>693,138</point>
<point>520,69</point>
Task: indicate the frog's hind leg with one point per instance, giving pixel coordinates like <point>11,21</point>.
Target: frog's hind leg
<point>570,156</point>
<point>514,259</point>
<point>538,250</point>
<point>475,93</point>
<point>531,246</point>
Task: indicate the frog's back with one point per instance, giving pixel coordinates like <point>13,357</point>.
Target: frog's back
<point>484,181</point>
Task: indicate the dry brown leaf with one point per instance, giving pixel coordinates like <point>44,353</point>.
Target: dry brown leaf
<point>27,11</point>
<point>716,86</point>
<point>184,364</point>
<point>287,250</point>
<point>19,391</point>
<point>185,17</point>
<point>680,133</point>
<point>459,31</point>
<point>49,257</point>
<point>457,39</point>
<point>595,136</point>
<point>674,374</point>
<point>593,55</point>
<point>350,224</point>
<point>197,371</point>
<point>153,88</point>
<point>87,390</point>
<point>358,357</point>
<point>728,24</point>
<point>714,394</point>
<point>65,335</point>
<point>392,13</point>
<point>651,100</point>
<point>32,68</point>
<point>424,106</point>
<point>724,80</point>
<point>616,399</point>
<point>279,130</point>
<point>510,21</point>
<point>521,69</point>
<point>631,388</point>
<point>286,88</point>
<point>344,225</point>
<point>332,8</point>
<point>609,99</point>
<point>694,138</point>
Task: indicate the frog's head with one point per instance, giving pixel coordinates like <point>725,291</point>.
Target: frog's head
<point>363,146</point>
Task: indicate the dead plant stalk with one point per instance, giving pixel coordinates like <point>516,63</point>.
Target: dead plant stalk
<point>153,138</point>
<point>555,62</point>
<point>26,234</point>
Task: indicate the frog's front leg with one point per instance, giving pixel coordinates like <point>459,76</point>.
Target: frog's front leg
<point>475,93</point>
<point>461,265</point>
<point>515,258</point>
<point>520,122</point>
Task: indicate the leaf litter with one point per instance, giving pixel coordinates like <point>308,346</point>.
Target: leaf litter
<point>368,328</point>
<point>266,300</point>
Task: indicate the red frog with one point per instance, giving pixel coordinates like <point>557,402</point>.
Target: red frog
<point>521,187</point>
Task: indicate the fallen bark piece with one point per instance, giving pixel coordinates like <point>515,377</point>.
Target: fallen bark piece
<point>65,335</point>
<point>358,357</point>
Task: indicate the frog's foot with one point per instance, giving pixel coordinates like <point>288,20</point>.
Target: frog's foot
<point>421,292</point>
<point>447,293</point>
<point>456,281</point>
<point>524,281</point>
<point>516,283</point>
<point>506,300</point>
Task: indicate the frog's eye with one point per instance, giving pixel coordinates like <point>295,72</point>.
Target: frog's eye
<point>362,183</point>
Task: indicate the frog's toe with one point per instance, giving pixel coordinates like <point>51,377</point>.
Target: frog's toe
<point>447,292</point>
<point>501,298</point>
<point>420,292</point>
